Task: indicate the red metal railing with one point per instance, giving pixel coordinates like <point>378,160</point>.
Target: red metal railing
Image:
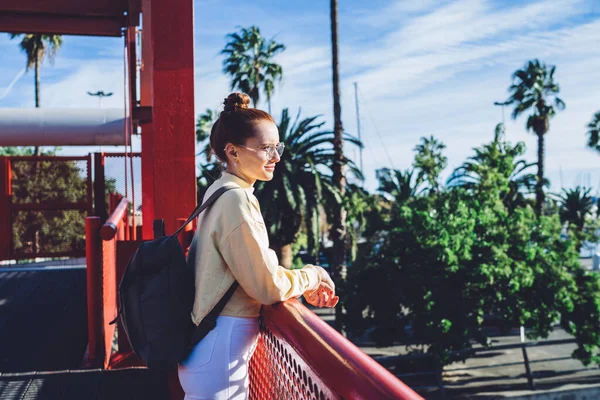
<point>101,261</point>
<point>299,356</point>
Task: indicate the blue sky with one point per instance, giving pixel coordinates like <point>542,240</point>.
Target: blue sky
<point>423,68</point>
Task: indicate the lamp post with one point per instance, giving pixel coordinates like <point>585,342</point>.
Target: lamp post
<point>100,94</point>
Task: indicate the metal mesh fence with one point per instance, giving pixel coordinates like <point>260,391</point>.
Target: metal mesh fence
<point>114,177</point>
<point>278,372</point>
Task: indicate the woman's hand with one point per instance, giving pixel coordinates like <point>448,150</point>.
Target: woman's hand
<point>323,296</point>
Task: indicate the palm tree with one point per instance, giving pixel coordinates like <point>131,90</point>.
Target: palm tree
<point>594,132</point>
<point>575,205</point>
<point>534,89</point>
<point>203,126</point>
<point>338,228</point>
<point>400,185</point>
<point>496,166</point>
<point>210,167</point>
<point>249,62</point>
<point>430,162</point>
<point>300,185</point>
<point>36,46</point>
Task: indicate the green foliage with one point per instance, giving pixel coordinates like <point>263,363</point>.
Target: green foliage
<point>46,183</point>
<point>448,260</point>
<point>430,162</point>
<point>16,151</point>
<point>36,46</point>
<point>301,182</point>
<point>594,132</point>
<point>534,88</point>
<point>249,62</point>
<point>499,168</point>
<point>575,205</point>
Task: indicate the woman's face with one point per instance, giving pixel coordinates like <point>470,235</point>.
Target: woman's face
<point>253,161</point>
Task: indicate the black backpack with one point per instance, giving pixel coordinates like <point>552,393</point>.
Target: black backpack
<point>156,298</point>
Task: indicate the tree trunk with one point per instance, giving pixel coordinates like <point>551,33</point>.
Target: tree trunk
<point>269,102</point>
<point>37,92</point>
<point>338,229</point>
<point>539,188</point>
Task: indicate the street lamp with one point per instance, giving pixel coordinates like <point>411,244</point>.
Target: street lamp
<point>100,94</point>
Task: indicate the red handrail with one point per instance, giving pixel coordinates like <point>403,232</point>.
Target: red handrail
<point>110,227</point>
<point>342,366</point>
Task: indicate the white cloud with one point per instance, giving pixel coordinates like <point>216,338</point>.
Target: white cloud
<point>423,68</point>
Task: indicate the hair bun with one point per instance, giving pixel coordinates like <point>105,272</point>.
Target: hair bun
<point>236,101</point>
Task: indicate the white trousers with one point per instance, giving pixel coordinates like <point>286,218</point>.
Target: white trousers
<point>217,367</point>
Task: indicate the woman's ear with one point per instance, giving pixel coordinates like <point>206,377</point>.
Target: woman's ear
<point>230,151</point>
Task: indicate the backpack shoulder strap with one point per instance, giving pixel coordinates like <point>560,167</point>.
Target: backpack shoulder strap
<point>203,206</point>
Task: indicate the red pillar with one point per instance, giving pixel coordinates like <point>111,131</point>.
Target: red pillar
<point>168,142</point>
<point>5,224</point>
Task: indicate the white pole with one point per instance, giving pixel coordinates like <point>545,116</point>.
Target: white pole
<point>358,126</point>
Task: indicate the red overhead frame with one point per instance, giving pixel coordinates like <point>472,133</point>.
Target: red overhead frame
<point>168,143</point>
<point>68,17</point>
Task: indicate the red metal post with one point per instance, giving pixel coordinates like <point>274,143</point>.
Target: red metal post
<point>172,174</point>
<point>100,206</point>
<point>5,225</point>
<point>90,189</point>
<point>93,256</point>
<point>147,126</point>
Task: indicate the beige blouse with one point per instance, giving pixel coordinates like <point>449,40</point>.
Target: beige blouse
<point>231,243</point>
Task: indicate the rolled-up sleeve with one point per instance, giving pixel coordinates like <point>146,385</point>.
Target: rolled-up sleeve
<point>257,268</point>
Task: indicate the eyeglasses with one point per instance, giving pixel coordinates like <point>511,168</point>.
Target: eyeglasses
<point>269,150</point>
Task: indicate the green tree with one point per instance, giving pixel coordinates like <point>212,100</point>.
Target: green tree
<point>492,162</point>
<point>249,62</point>
<point>36,46</point>
<point>300,185</point>
<point>594,132</point>
<point>52,231</point>
<point>575,208</point>
<point>430,162</point>
<point>400,185</point>
<point>534,89</point>
<point>203,126</point>
<point>210,167</point>
<point>449,260</point>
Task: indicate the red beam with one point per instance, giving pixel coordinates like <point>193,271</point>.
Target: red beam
<point>66,7</point>
<point>63,25</point>
<point>49,206</point>
<point>50,158</point>
<point>173,120</point>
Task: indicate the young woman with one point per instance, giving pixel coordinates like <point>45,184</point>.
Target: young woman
<point>233,245</point>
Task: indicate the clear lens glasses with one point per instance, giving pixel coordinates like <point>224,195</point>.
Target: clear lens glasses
<point>270,150</point>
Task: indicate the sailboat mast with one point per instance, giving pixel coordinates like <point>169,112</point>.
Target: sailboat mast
<point>358,126</point>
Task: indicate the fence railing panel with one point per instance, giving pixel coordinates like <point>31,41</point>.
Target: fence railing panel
<point>299,356</point>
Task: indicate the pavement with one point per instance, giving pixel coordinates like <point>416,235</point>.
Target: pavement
<point>483,377</point>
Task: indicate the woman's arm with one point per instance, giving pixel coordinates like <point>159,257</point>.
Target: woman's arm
<point>257,268</point>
